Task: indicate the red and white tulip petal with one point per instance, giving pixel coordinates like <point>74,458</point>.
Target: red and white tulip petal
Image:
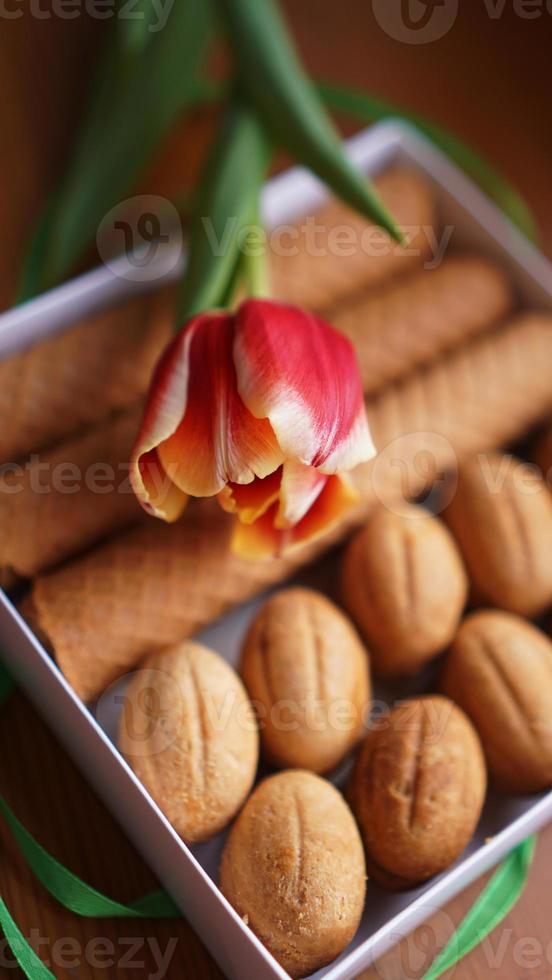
<point>166,405</point>
<point>301,374</point>
<point>218,440</point>
<point>263,539</point>
<point>161,497</point>
<point>251,500</point>
<point>357,448</point>
<point>300,487</point>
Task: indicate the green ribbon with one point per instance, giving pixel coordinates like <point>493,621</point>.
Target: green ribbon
<point>496,900</point>
<point>75,894</point>
<point>32,966</point>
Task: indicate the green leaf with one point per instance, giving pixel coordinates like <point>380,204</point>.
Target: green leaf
<point>233,177</point>
<point>37,250</point>
<point>496,900</point>
<point>275,84</point>
<point>135,101</point>
<point>136,23</point>
<point>369,109</point>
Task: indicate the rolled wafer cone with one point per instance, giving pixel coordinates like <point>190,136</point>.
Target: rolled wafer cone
<point>155,584</point>
<point>75,378</point>
<point>394,330</point>
<point>321,260</point>
<point>60,502</point>
<point>405,324</point>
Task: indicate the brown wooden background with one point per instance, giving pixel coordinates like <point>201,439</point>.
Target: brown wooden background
<point>489,80</point>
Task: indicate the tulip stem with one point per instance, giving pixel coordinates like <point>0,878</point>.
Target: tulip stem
<point>256,277</point>
<point>236,167</point>
<point>254,247</point>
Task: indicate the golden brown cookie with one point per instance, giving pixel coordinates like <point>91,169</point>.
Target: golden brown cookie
<point>307,674</point>
<point>404,584</point>
<point>417,790</point>
<point>189,732</point>
<point>501,517</point>
<point>499,670</point>
<point>293,867</point>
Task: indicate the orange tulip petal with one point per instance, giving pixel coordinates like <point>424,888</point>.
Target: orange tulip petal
<point>165,407</point>
<point>218,440</point>
<point>257,541</point>
<point>336,499</point>
<point>263,539</point>
<point>162,497</point>
<point>251,500</point>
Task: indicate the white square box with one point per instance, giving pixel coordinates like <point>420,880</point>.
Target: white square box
<point>190,874</point>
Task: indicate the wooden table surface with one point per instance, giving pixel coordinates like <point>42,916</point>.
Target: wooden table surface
<point>488,79</point>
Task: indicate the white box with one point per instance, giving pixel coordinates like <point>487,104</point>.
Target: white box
<point>186,873</point>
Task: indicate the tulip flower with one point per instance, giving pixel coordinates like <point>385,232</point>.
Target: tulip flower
<point>263,408</point>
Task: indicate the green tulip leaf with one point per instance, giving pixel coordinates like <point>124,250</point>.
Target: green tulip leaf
<point>369,110</point>
<point>136,98</point>
<point>276,85</point>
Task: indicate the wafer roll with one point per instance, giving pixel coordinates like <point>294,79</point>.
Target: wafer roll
<point>483,395</point>
<point>321,260</point>
<point>76,378</point>
<point>155,584</point>
<point>61,502</point>
<point>405,324</point>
